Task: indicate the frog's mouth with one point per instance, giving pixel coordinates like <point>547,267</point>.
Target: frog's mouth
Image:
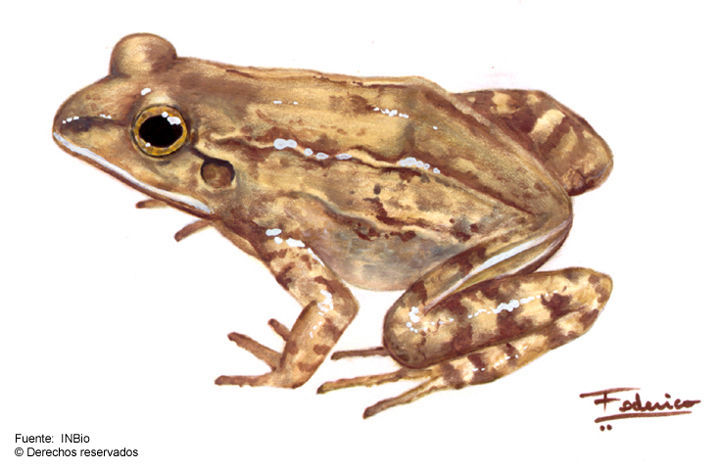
<point>192,204</point>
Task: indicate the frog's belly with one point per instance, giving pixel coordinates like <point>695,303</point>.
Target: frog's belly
<point>389,240</point>
<point>383,263</point>
<point>392,260</point>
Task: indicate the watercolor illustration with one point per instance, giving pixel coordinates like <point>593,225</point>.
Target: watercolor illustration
<point>382,183</point>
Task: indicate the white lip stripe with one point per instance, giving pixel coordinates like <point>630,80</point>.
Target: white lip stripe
<point>124,175</point>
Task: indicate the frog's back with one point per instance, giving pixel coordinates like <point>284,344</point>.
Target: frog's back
<point>396,175</point>
<point>383,177</point>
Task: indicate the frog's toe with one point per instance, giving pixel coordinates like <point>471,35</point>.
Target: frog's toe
<point>434,384</point>
<point>434,381</point>
<point>265,354</point>
<point>376,351</point>
<point>239,380</point>
<point>275,378</point>
<point>403,373</point>
<point>286,377</point>
<point>281,330</point>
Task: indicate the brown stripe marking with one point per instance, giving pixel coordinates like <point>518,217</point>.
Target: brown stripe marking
<point>559,305</point>
<point>321,350</point>
<point>451,375</point>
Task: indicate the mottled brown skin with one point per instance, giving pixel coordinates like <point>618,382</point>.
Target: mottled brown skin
<point>384,183</point>
<point>564,142</point>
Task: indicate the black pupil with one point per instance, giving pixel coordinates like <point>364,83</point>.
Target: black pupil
<point>159,131</point>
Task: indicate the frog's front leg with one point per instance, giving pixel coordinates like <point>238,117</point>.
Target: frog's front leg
<point>328,308</point>
<point>484,331</point>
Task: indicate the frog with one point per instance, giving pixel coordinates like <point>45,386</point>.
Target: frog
<point>330,180</point>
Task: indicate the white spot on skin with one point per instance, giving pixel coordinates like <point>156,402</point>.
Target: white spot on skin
<point>277,102</point>
<point>281,144</point>
<point>327,304</point>
<point>315,257</point>
<point>145,91</point>
<point>510,306</point>
<point>410,161</point>
<point>435,127</point>
<point>308,152</point>
<point>500,361</point>
<point>295,243</point>
<point>291,242</point>
<point>391,112</point>
<point>343,156</point>
<point>482,310</point>
<point>414,162</point>
<point>321,156</point>
<point>414,315</point>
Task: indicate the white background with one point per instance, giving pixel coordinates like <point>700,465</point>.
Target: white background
<point>111,329</point>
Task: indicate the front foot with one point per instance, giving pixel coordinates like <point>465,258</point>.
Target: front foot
<point>277,377</point>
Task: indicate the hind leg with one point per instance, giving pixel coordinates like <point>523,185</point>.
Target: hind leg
<point>563,141</point>
<point>483,366</point>
<point>486,331</point>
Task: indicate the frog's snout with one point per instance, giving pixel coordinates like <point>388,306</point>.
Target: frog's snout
<point>70,130</point>
<point>70,122</point>
<point>75,125</point>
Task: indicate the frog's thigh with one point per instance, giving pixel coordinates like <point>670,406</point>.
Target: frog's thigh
<point>482,366</point>
<point>563,141</point>
<point>516,317</point>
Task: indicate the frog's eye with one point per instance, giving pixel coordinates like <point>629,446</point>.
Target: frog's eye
<point>159,130</point>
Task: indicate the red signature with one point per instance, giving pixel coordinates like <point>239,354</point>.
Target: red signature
<point>636,407</point>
